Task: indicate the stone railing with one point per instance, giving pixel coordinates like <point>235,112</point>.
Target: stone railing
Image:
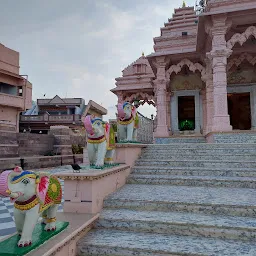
<point>51,118</point>
<point>145,131</point>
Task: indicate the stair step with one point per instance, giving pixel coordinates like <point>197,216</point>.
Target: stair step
<point>207,200</point>
<point>178,223</point>
<point>195,171</point>
<point>195,156</point>
<point>209,181</point>
<point>198,151</point>
<point>116,242</point>
<point>196,163</point>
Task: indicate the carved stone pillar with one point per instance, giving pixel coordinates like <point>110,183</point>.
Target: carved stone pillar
<point>160,92</point>
<point>168,110</point>
<point>218,57</point>
<point>220,119</point>
<point>119,97</point>
<point>209,107</point>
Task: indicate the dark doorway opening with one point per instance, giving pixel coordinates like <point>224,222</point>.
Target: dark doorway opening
<point>186,113</point>
<point>239,109</point>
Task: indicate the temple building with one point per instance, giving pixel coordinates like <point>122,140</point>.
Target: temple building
<point>201,76</point>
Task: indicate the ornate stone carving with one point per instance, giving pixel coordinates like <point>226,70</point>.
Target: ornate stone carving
<point>241,38</point>
<point>192,67</point>
<point>238,60</point>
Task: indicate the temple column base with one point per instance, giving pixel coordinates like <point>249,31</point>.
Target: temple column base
<point>221,124</point>
<point>161,131</point>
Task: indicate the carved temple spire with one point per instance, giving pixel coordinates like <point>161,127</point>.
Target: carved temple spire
<point>184,4</point>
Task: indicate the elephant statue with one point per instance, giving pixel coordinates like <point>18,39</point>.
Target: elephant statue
<point>100,141</point>
<point>128,122</point>
<point>34,195</point>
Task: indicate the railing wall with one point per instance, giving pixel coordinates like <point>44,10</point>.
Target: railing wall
<point>145,131</point>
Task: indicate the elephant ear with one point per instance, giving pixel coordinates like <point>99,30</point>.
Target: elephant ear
<point>42,188</point>
<point>88,125</point>
<point>120,111</point>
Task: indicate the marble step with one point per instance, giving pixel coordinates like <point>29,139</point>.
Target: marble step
<point>199,151</point>
<point>195,156</point>
<point>195,171</point>
<point>207,200</point>
<point>235,138</point>
<point>203,146</point>
<point>199,181</point>
<point>180,140</point>
<point>178,223</point>
<point>196,163</point>
<point>124,243</point>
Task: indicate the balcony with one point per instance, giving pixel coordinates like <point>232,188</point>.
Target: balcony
<point>54,119</point>
<point>11,101</point>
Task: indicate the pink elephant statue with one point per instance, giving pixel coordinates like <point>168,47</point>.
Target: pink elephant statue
<point>33,194</point>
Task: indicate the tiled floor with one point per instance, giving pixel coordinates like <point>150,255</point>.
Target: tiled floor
<point>7,225</point>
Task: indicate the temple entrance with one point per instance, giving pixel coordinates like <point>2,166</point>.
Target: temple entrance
<point>186,113</point>
<point>239,110</point>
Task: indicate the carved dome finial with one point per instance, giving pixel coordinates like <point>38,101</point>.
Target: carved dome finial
<point>184,4</point>
<point>142,54</point>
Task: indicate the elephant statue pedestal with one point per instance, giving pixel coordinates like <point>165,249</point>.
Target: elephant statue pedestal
<point>84,192</point>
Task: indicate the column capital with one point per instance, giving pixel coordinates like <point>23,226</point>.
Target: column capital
<point>219,57</point>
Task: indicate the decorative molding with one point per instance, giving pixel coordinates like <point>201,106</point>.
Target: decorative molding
<point>141,95</point>
<point>192,67</point>
<point>83,176</point>
<point>238,60</point>
<point>241,38</point>
<point>82,231</point>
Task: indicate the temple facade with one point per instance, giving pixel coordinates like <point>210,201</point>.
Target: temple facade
<point>202,75</point>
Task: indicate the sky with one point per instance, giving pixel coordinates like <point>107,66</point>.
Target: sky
<point>77,48</point>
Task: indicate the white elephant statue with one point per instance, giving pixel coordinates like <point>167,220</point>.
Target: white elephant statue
<point>128,122</point>
<point>100,141</point>
<point>33,194</point>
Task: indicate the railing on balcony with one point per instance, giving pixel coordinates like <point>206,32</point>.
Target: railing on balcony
<point>11,101</point>
<point>51,118</point>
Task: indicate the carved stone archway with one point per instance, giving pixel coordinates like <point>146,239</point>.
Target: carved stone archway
<point>241,38</point>
<point>238,60</point>
<point>192,67</point>
<point>145,97</point>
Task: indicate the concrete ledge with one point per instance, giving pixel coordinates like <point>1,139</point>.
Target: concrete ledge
<point>84,192</point>
<point>64,244</point>
<point>128,153</point>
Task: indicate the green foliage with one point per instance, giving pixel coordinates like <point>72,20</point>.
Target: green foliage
<point>187,125</point>
<point>77,149</point>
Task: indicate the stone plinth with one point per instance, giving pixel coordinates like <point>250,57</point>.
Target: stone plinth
<point>84,192</point>
<point>62,140</point>
<point>128,153</point>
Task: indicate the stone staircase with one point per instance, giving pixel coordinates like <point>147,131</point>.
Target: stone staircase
<point>182,199</point>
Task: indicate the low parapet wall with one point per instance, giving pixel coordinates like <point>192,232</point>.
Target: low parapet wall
<point>39,161</point>
<point>31,144</point>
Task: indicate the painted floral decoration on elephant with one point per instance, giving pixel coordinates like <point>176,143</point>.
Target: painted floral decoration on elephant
<point>100,141</point>
<point>34,194</point>
<point>128,122</point>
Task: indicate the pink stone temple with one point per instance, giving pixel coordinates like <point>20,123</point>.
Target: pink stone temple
<point>201,76</point>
